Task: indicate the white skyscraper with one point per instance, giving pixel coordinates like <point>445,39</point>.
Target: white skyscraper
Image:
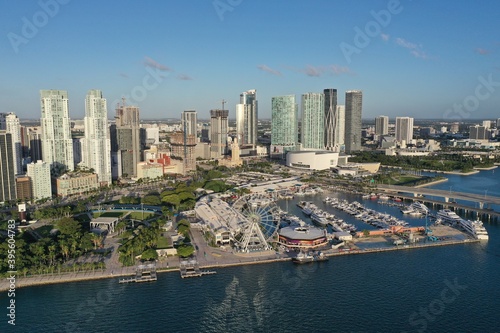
<point>313,121</point>
<point>381,125</point>
<point>57,145</point>
<point>10,123</point>
<point>39,173</point>
<point>246,118</point>
<point>339,138</point>
<point>404,129</point>
<point>189,119</point>
<point>96,151</point>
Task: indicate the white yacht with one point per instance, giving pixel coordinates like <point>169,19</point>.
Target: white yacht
<point>309,208</point>
<point>475,228</point>
<point>420,207</point>
<point>448,216</point>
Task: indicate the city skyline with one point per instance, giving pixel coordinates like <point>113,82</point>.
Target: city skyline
<point>162,72</point>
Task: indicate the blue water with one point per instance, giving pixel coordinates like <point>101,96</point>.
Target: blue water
<point>403,291</point>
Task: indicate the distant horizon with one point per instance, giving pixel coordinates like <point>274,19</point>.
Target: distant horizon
<point>172,56</point>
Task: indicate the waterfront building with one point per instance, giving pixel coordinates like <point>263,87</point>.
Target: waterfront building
<point>41,184</point>
<point>10,123</point>
<point>7,174</point>
<point>302,237</point>
<point>404,129</point>
<point>128,147</point>
<point>353,113</point>
<point>339,141</point>
<point>246,118</point>
<point>331,118</point>
<point>76,183</point>
<point>218,132</point>
<point>284,125</point>
<point>382,125</point>
<point>313,121</point>
<point>190,122</point>
<point>312,160</point>
<point>96,152</point>
<point>57,144</point>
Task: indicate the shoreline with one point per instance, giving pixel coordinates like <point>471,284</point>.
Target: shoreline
<point>39,280</point>
<point>434,182</point>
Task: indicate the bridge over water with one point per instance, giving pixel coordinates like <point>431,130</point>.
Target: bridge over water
<point>482,200</point>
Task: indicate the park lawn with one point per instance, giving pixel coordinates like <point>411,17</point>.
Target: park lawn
<point>44,231</point>
<point>109,214</point>
<point>140,216</point>
<point>163,243</point>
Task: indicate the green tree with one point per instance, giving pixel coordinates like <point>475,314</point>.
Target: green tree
<point>185,250</point>
<point>149,254</point>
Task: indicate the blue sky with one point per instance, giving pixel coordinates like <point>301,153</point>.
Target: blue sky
<point>426,57</point>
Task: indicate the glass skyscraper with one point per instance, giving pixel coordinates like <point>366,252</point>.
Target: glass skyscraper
<point>246,118</point>
<point>313,121</point>
<point>284,124</point>
<point>353,112</point>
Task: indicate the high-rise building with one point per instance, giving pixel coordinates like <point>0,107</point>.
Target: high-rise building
<point>404,129</point>
<point>128,139</point>
<point>183,146</point>
<point>478,133</point>
<point>23,188</point>
<point>313,121</point>
<point>331,117</point>
<point>353,113</point>
<point>339,138</point>
<point>10,123</point>
<point>57,145</point>
<point>284,125</point>
<point>190,122</point>
<point>7,175</point>
<point>35,143</point>
<point>246,118</point>
<point>218,132</point>
<point>96,153</point>
<point>382,125</point>
<point>39,174</point>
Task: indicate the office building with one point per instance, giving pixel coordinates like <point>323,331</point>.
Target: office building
<point>35,143</point>
<point>190,122</point>
<point>331,118</point>
<point>246,118</point>
<point>339,138</point>
<point>404,129</point>
<point>478,133</point>
<point>7,174</point>
<point>23,188</point>
<point>128,144</point>
<point>218,132</point>
<point>96,152</point>
<point>284,125</point>
<point>381,125</point>
<point>39,174</point>
<point>57,145</point>
<point>353,113</point>
<point>313,121</point>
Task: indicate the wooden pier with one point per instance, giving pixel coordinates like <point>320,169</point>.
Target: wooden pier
<point>143,273</point>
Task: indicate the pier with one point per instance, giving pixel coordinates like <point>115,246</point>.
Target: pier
<point>143,273</point>
<point>191,268</point>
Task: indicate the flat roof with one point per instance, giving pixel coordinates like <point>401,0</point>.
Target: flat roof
<point>304,233</point>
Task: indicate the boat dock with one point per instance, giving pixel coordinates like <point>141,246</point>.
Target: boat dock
<point>191,268</point>
<point>143,273</point>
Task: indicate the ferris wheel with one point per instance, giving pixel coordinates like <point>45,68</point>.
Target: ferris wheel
<point>261,222</point>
